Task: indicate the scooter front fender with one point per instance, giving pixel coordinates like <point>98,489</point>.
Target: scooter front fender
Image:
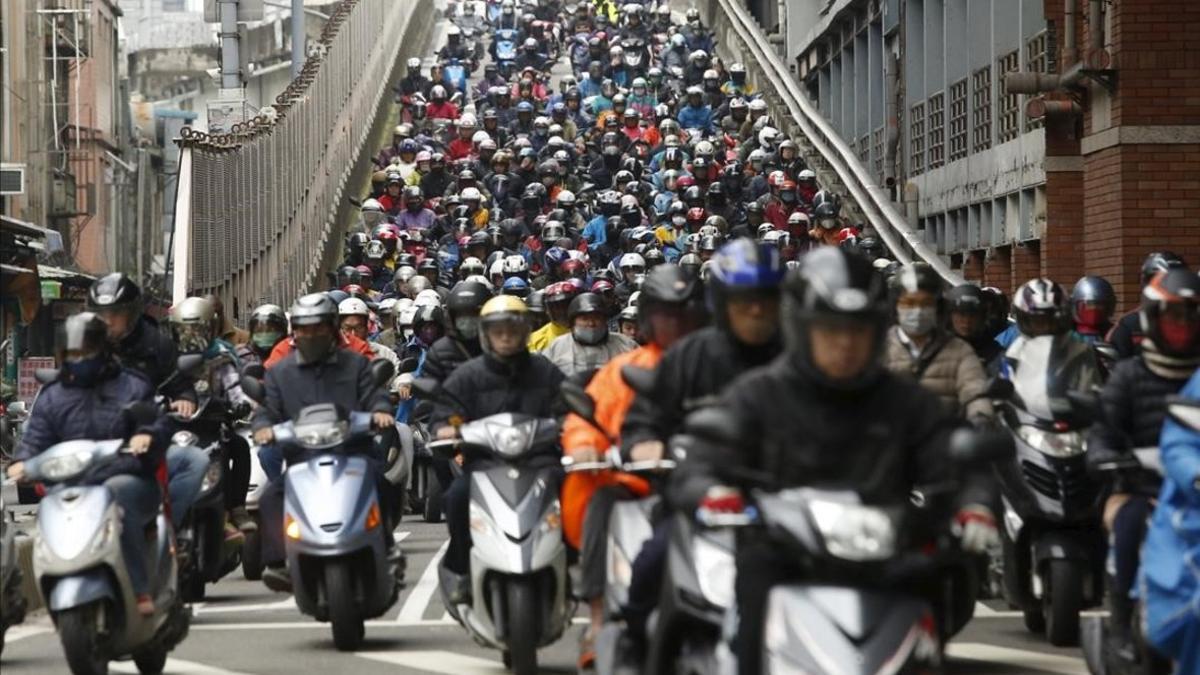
<point>80,589</point>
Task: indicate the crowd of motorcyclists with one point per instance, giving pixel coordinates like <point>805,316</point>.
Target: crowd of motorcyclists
<point>638,229</point>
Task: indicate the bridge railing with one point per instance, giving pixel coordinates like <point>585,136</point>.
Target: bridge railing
<point>257,208</point>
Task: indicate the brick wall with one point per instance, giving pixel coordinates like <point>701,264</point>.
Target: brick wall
<point>1026,263</point>
<point>997,269</point>
<point>1061,254</point>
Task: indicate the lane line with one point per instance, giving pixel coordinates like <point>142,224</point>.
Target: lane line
<point>1052,663</point>
<point>175,666</point>
<point>449,663</point>
<point>422,593</point>
<point>287,603</point>
<point>293,625</point>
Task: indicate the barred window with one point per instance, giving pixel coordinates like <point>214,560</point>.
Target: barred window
<point>864,149</point>
<point>877,137</point>
<point>1036,61</point>
<point>916,138</point>
<point>1008,106</point>
<point>958,120</point>
<point>981,81</point>
<point>936,109</point>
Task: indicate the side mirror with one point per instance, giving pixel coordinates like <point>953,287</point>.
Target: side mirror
<point>253,388</point>
<point>409,364</point>
<point>255,370</point>
<point>189,363</point>
<point>17,408</point>
<point>382,371</point>
<point>970,447</point>
<point>1184,411</point>
<point>712,425</point>
<point>641,380</point>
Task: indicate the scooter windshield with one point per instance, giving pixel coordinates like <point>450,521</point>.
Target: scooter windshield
<point>1043,369</point>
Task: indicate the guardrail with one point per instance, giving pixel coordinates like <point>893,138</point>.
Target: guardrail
<point>256,209</point>
<point>741,38</point>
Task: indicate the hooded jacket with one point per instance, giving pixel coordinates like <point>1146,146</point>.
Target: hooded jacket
<point>572,356</point>
<point>947,366</point>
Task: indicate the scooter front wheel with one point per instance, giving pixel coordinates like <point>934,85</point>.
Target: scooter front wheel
<point>151,661</point>
<point>1062,602</point>
<point>524,625</point>
<point>78,630</point>
<point>343,607</point>
<point>252,563</point>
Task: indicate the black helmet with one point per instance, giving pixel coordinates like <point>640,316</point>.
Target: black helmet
<point>833,285</point>
<point>428,265</point>
<point>586,303</point>
<point>466,298</point>
<point>428,314</point>
<point>267,316</point>
<point>1093,302</point>
<point>115,291</point>
<point>915,278</point>
<point>1040,308</point>
<point>966,299</point>
<point>314,308</point>
<point>1177,333</point>
<point>690,263</point>
<point>1160,261</point>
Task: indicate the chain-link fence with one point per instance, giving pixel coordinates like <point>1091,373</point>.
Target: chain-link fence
<point>257,207</point>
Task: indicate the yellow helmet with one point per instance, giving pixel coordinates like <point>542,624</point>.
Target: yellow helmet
<point>499,310</point>
<point>503,304</point>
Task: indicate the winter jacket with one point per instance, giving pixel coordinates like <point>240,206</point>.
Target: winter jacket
<point>348,342</point>
<point>880,439</point>
<point>696,117</point>
<point>148,350</point>
<point>947,366</point>
<point>1169,578</point>
<point>541,338</point>
<point>613,398</point>
<point>692,374</point>
<point>63,412</point>
<point>342,378</point>
<point>572,356</point>
<point>446,354</point>
<point>1126,335</point>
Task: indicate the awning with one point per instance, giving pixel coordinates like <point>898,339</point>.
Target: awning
<point>42,237</point>
<point>60,274</point>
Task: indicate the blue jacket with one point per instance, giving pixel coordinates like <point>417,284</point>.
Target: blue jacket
<point>1169,580</point>
<point>696,117</point>
<point>596,232</point>
<point>68,413</point>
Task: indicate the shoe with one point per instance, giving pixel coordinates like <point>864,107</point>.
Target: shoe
<point>460,594</point>
<point>277,579</point>
<point>587,651</point>
<point>242,520</point>
<point>145,604</point>
<point>233,535</point>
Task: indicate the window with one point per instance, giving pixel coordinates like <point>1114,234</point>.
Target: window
<point>877,138</point>
<point>1008,106</point>
<point>864,149</point>
<point>1036,61</point>
<point>982,107</point>
<point>936,108</point>
<point>916,138</point>
<point>958,120</point>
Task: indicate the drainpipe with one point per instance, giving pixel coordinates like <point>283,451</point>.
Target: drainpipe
<point>1096,57</point>
<point>1070,53</point>
<point>891,81</point>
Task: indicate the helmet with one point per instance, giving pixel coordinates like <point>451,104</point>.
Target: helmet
<point>414,62</point>
<point>426,296</point>
<point>515,286</point>
<point>115,291</point>
<point>832,286</point>
<point>502,309</point>
<point>314,308</point>
<point>1040,308</point>
<point>1159,261</point>
<point>586,303</point>
<point>1170,313</point>
<point>192,324</point>
<point>965,299</point>
<point>915,278</point>
<point>566,200</point>
<point>85,332</point>
<point>267,316</point>
<point>690,263</point>
<point>514,266</point>
<point>742,266</point>
<point>667,286</point>
<point>471,265</point>
<point>1093,302</point>
<point>631,264</point>
<point>353,307</point>
<point>466,299</point>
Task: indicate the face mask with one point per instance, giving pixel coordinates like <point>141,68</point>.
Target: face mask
<point>265,340</point>
<point>428,334</point>
<point>84,372</point>
<point>678,221</point>
<point>917,321</point>
<point>314,347</point>
<point>415,207</point>
<point>590,336</point>
<point>467,327</point>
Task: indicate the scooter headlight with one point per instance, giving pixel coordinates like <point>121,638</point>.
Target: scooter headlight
<point>1065,444</point>
<point>321,435</point>
<point>64,467</point>
<point>510,441</point>
<point>854,531</point>
<point>184,439</point>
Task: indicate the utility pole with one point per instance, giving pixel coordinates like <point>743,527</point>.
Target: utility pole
<point>299,50</point>
<point>229,107</point>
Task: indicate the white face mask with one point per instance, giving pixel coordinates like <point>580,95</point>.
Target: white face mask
<point>917,321</point>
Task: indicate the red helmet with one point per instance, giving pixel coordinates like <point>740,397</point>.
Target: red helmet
<point>356,291</point>
<point>603,286</point>
<point>697,215</point>
<point>574,268</point>
<point>684,183</point>
<point>365,271</point>
<point>847,235</point>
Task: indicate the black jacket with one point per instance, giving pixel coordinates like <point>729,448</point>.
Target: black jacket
<point>691,375</point>
<point>880,440</point>
<point>343,378</point>
<point>152,353</point>
<point>1133,404</point>
<point>1126,335</point>
<point>446,355</point>
<point>487,386</point>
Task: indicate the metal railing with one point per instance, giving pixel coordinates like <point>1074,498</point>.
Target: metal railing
<point>256,208</point>
<point>740,37</point>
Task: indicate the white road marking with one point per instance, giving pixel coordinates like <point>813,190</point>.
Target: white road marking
<point>293,625</point>
<point>23,631</point>
<point>437,662</point>
<point>984,612</point>
<point>286,603</point>
<point>1051,663</point>
<point>175,666</point>
<point>422,593</point>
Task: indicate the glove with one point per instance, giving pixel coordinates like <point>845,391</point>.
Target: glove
<point>976,528</point>
<point>723,499</point>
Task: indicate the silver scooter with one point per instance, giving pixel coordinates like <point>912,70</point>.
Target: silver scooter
<point>518,575</point>
<point>12,603</point>
<point>81,571</point>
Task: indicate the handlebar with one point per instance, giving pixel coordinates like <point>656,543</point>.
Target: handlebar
<point>612,460</point>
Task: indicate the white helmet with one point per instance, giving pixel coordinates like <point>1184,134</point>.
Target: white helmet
<point>472,194</point>
<point>480,279</point>
<point>480,136</point>
<point>758,105</point>
<point>806,174</point>
<point>514,265</point>
<point>353,307</point>
<point>766,137</point>
<point>414,62</point>
<point>633,299</point>
<point>371,205</point>
<point>427,297</point>
<point>466,120</point>
<point>497,269</point>
<point>471,266</point>
<point>632,260</point>
<point>386,306</point>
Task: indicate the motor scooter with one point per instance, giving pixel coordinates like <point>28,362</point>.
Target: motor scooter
<point>81,571</point>
<point>12,602</point>
<point>252,562</point>
<point>1052,540</point>
<point>518,578</point>
<point>505,51</point>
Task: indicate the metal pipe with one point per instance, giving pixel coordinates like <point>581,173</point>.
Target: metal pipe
<point>1040,107</point>
<point>1095,27</point>
<point>891,94</point>
<point>1070,53</point>
<point>231,77</point>
<point>298,37</point>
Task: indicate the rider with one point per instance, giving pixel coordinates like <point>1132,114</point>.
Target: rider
<point>268,325</point>
<point>318,371</point>
<point>557,298</point>
<point>88,400</point>
<point>967,306</point>
<point>590,344</point>
<point>1133,407</point>
<point>506,378</point>
<point>1093,302</point>
<point>1127,333</point>
<point>862,426</point>
<point>919,347</point>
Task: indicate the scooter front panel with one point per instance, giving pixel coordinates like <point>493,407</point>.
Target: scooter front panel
<point>329,498</point>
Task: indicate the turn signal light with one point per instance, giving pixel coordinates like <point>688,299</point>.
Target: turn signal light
<point>373,517</point>
<point>292,528</point>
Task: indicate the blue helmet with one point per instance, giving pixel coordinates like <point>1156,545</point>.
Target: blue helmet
<point>515,286</point>
<point>524,106</point>
<point>742,266</point>
<point>554,257</point>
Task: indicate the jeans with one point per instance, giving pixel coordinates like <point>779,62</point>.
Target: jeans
<point>594,546</point>
<point>139,498</point>
<point>185,470</point>
<point>645,583</point>
<point>270,457</point>
<point>1128,531</point>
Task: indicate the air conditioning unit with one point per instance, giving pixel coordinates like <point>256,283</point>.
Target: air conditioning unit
<point>12,179</point>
